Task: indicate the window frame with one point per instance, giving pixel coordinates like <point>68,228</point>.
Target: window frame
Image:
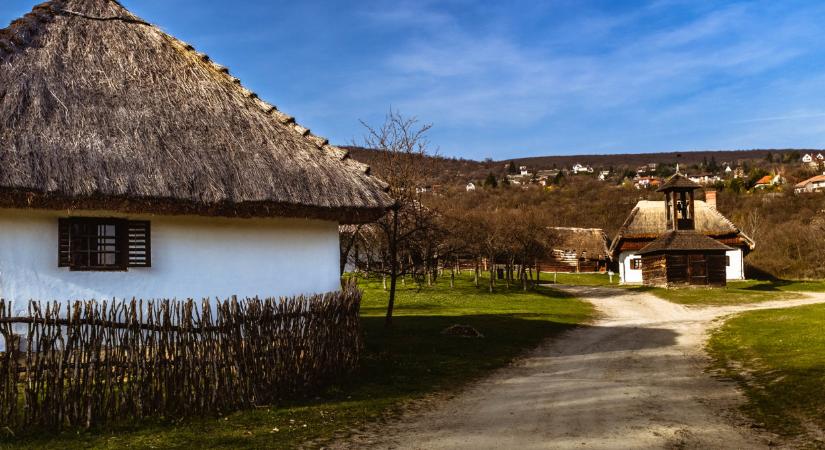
<point>130,244</point>
<point>635,263</point>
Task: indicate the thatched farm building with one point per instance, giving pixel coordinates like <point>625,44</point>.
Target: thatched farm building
<point>131,165</point>
<point>648,221</point>
<point>577,250</point>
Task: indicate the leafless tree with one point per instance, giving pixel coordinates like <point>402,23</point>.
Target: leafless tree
<point>402,147</point>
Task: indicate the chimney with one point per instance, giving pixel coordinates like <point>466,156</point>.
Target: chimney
<point>710,198</point>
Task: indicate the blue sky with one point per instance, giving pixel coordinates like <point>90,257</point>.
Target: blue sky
<point>525,78</point>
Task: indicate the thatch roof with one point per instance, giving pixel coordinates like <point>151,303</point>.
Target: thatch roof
<point>680,241</point>
<point>678,181</point>
<point>647,220</point>
<point>102,110</point>
<point>590,240</point>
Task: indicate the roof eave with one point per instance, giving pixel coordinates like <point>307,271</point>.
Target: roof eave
<point>173,207</point>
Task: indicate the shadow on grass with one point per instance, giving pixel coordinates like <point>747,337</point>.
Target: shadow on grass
<point>769,286</point>
<point>415,354</point>
<point>406,362</point>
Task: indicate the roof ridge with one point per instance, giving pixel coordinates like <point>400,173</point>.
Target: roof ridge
<point>720,215</point>
<point>623,228</point>
<point>269,109</point>
<point>21,31</point>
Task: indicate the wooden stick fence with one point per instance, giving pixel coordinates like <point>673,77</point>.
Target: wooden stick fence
<point>93,363</point>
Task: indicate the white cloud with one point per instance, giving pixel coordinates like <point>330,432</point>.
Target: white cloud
<point>466,76</point>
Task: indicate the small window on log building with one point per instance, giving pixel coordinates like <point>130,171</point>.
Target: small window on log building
<point>103,244</point>
<point>636,264</point>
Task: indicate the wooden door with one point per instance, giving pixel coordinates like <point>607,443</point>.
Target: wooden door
<point>697,269</point>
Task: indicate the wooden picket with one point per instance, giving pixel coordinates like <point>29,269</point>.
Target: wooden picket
<point>95,363</point>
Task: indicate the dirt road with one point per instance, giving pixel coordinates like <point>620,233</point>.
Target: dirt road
<point>634,379</point>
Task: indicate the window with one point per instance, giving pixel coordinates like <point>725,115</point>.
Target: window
<point>727,260</point>
<point>103,244</point>
<point>636,264</point>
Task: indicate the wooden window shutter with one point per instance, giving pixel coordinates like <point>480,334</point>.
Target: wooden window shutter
<point>140,244</point>
<point>64,243</point>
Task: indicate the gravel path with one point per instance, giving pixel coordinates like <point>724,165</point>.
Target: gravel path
<point>634,379</point>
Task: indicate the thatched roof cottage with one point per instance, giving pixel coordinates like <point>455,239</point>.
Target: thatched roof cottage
<point>648,221</point>
<point>577,250</point>
<point>133,165</point>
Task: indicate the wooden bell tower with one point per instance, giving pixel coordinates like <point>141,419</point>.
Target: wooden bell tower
<point>679,203</point>
<point>682,256</point>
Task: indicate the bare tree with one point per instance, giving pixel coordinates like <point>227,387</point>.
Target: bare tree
<point>402,147</point>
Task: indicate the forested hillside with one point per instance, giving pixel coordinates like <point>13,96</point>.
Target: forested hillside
<point>789,229</point>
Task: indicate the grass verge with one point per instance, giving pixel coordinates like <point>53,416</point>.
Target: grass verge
<point>409,361</point>
<point>581,279</point>
<point>729,295</point>
<point>778,358</point>
<point>736,292</point>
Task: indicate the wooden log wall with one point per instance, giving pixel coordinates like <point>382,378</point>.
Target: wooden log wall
<point>95,363</point>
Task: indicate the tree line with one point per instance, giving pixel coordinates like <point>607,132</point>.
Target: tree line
<point>505,231</point>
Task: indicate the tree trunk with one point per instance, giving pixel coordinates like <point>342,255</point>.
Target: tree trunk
<point>492,273</point>
<point>476,274</point>
<point>506,273</point>
<point>538,274</point>
<point>523,278</point>
<point>393,244</point>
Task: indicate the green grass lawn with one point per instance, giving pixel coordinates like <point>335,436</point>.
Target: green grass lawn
<point>778,357</point>
<point>736,292</point>
<point>407,362</point>
<point>581,279</point>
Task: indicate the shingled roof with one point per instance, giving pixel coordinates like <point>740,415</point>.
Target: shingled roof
<point>647,220</point>
<point>683,241</point>
<point>678,181</point>
<point>101,110</point>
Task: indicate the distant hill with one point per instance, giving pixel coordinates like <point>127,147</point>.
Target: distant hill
<point>637,159</point>
<point>457,171</point>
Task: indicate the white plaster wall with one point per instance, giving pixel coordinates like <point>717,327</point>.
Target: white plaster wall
<point>736,269</point>
<point>193,257</point>
<point>628,275</point>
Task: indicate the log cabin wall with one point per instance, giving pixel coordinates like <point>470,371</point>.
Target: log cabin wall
<point>654,270</point>
<point>684,269</point>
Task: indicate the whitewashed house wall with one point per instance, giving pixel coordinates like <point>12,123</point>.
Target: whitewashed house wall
<point>628,275</point>
<point>192,257</point>
<point>736,268</point>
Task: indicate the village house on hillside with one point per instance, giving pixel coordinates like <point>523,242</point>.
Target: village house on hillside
<point>579,168</point>
<point>647,221</point>
<point>813,160</point>
<point>813,184</point>
<point>131,165</point>
<point>768,181</point>
<point>577,250</point>
<point>705,178</point>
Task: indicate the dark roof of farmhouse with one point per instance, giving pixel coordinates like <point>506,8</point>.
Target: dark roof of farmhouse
<point>681,241</point>
<point>647,220</point>
<point>590,240</point>
<point>102,110</point>
<point>678,181</point>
